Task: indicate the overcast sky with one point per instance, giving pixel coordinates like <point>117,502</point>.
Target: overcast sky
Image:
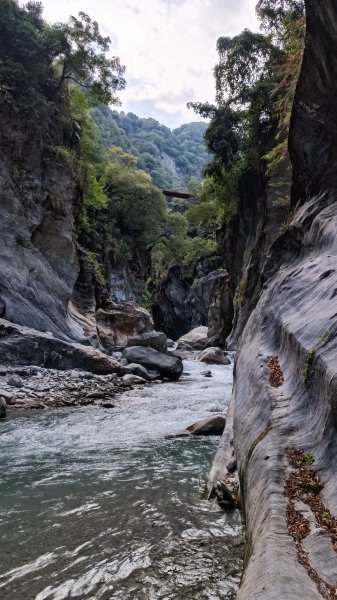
<point>167,46</point>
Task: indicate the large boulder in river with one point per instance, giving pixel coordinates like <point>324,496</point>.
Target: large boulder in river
<point>211,426</point>
<point>168,366</point>
<point>214,356</point>
<point>196,339</point>
<point>152,339</point>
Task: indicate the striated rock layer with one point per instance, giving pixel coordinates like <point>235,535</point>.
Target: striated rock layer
<point>285,394</point>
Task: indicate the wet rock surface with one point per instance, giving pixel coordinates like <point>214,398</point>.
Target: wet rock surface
<point>211,426</point>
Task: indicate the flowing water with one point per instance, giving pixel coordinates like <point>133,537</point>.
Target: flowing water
<point>98,504</point>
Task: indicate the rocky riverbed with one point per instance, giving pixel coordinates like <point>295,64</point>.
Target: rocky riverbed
<point>39,388</point>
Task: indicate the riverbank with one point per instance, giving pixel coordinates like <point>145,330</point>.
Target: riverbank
<point>39,388</point>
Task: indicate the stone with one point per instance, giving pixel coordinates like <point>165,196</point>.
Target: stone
<point>133,379</point>
<point>231,466</point>
<point>3,408</point>
<point>181,345</point>
<point>107,405</point>
<point>224,496</point>
<point>24,346</point>
<point>15,381</point>
<point>206,373</point>
<point>74,374</point>
<point>170,343</point>
<point>153,339</point>
<point>197,338</point>
<point>7,396</point>
<point>210,426</point>
<point>214,356</point>
<point>168,366</point>
<point>139,370</point>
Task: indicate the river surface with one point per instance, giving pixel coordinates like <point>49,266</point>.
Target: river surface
<point>97,504</point>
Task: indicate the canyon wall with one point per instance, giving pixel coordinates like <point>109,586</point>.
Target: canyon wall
<point>284,401</point>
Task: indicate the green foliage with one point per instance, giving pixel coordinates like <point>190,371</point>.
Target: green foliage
<point>38,63</point>
<point>308,458</point>
<point>172,158</point>
<point>308,368</point>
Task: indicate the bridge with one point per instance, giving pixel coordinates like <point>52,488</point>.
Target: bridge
<point>184,195</point>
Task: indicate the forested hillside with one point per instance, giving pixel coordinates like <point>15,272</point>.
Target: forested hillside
<point>172,158</point>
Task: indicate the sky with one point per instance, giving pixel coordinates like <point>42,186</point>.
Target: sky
<point>167,46</point>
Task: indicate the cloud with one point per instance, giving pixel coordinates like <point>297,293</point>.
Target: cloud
<point>168,47</point>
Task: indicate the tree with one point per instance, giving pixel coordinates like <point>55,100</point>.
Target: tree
<point>80,53</point>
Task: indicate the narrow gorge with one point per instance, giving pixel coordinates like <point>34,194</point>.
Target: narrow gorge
<point>161,289</point>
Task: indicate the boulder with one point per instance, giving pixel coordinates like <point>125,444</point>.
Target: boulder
<point>2,408</point>
<point>197,338</point>
<point>206,373</point>
<point>214,356</point>
<point>7,396</point>
<point>24,346</point>
<point>153,339</point>
<point>133,379</point>
<point>15,381</point>
<point>168,366</point>
<point>184,346</point>
<point>117,323</point>
<point>211,426</point>
<point>134,369</point>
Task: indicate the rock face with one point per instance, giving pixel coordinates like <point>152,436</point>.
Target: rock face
<point>294,326</point>
<point>184,303</point>
<point>38,263</point>
<point>168,366</point>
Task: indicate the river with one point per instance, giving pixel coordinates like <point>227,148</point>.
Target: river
<point>97,504</point>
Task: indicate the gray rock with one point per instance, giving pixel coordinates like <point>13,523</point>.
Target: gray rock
<point>168,366</point>
<point>181,345</point>
<point>197,338</point>
<point>23,346</point>
<point>154,375</point>
<point>2,408</point>
<point>206,373</point>
<point>7,396</point>
<point>214,356</point>
<point>153,339</point>
<point>107,405</point>
<point>211,426</point>
<point>74,374</point>
<point>133,379</point>
<point>231,466</point>
<point>224,496</point>
<point>139,370</point>
<point>170,343</point>
<point>15,381</point>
